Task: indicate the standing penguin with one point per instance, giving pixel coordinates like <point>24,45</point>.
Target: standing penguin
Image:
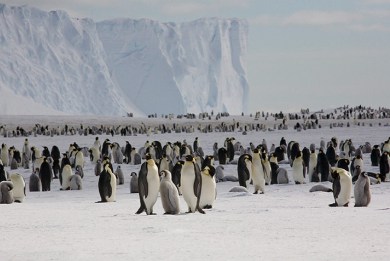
<point>119,175</point>
<point>209,188</point>
<point>222,156</point>
<point>127,153</point>
<point>6,195</point>
<point>19,191</point>
<point>322,167</point>
<point>169,194</point>
<point>375,155</point>
<point>34,183</point>
<point>107,185</point>
<point>312,164</point>
<point>3,174</point>
<point>342,187</point>
<point>362,191</point>
<point>191,184</point>
<point>258,173</point>
<point>196,145</point>
<point>148,185</point>
<point>4,157</point>
<point>45,174</point>
<point>133,183</point>
<point>176,175</point>
<point>384,167</point>
<point>244,169</point>
<point>67,173</point>
<point>298,169</point>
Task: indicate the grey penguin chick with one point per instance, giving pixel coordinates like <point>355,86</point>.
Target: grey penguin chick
<point>169,194</point>
<point>362,191</point>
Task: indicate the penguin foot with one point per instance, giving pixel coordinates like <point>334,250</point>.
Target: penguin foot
<point>333,205</point>
<point>208,207</point>
<point>201,211</point>
<point>139,211</point>
<point>346,204</point>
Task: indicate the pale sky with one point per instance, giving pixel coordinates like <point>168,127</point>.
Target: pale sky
<point>301,53</point>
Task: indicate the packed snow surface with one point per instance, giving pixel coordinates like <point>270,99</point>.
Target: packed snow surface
<point>286,223</point>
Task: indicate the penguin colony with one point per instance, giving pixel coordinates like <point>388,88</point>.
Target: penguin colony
<point>196,179</point>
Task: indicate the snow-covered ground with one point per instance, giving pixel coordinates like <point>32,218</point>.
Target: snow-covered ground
<point>286,223</point>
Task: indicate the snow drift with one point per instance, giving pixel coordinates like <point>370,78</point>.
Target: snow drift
<point>112,67</point>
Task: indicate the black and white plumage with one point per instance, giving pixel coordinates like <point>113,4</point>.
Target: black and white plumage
<point>342,187</point>
<point>107,185</point>
<point>209,188</point>
<point>19,190</point>
<point>244,169</point>
<point>148,185</point>
<point>191,184</point>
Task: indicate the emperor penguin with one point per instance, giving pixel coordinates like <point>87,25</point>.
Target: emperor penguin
<point>26,149</point>
<point>375,155</point>
<point>79,158</point>
<point>176,175</point>
<point>342,187</point>
<point>362,192</point>
<point>107,185</point>
<point>357,161</point>
<point>127,153</point>
<point>76,182</point>
<point>165,164</point>
<point>94,154</point>
<point>169,194</point>
<point>19,191</point>
<point>209,188</point>
<point>133,183</point>
<point>196,144</point>
<point>46,175</point>
<point>66,175</point>
<point>4,157</point>
<point>35,153</point>
<point>222,156</point>
<point>148,185</point>
<point>258,173</point>
<point>298,169</point>
<point>312,165</point>
<point>3,173</point>
<point>191,184</point>
<point>34,183</point>
<point>267,167</point>
<point>244,169</point>
<point>6,195</point>
<point>384,166</point>
<point>119,175</point>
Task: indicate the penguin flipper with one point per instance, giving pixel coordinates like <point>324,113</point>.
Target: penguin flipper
<point>142,181</point>
<point>198,187</point>
<point>336,187</point>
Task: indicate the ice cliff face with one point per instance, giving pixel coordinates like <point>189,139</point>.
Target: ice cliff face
<point>112,67</point>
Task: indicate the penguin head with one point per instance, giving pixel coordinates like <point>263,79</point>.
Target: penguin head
<point>133,174</point>
<point>209,170</point>
<point>166,174</point>
<point>189,158</point>
<point>148,156</point>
